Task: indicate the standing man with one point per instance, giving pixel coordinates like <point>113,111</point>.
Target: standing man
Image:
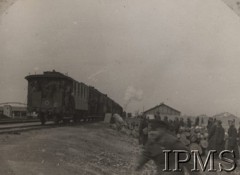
<point>239,135</point>
<point>197,120</point>
<point>212,136</point>
<point>232,139</point>
<point>202,121</point>
<point>189,123</point>
<point>157,116</point>
<point>220,133</point>
<point>161,139</point>
<point>210,123</point>
<point>176,125</point>
<point>143,131</point>
<point>166,120</point>
<point>182,124</point>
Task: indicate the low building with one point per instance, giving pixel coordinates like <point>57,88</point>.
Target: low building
<point>13,110</point>
<point>162,110</point>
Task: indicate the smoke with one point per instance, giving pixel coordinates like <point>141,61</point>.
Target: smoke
<point>132,94</point>
<point>5,4</point>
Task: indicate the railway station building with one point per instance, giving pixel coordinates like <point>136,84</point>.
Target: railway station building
<point>13,110</point>
<point>163,110</point>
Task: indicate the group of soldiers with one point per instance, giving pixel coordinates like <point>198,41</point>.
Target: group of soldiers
<point>160,137</point>
<point>157,135</point>
<point>173,125</point>
<point>219,141</point>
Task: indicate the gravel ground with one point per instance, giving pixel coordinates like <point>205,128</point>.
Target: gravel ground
<point>90,149</point>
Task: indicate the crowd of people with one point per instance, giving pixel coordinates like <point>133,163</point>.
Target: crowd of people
<point>160,137</point>
<point>158,134</point>
<point>173,125</point>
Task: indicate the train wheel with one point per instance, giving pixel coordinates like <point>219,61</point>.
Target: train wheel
<point>66,121</point>
<point>56,119</point>
<point>42,119</point>
<point>75,119</point>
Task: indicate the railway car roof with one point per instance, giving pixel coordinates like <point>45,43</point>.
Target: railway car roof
<point>55,74</point>
<point>49,74</point>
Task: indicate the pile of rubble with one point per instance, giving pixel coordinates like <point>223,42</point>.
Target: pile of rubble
<point>128,127</point>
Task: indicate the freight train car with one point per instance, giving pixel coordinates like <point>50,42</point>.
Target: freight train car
<point>55,96</point>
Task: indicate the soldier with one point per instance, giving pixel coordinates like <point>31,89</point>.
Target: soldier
<point>220,133</point>
<point>157,116</point>
<point>239,135</point>
<point>210,123</point>
<point>197,121</point>
<point>166,120</point>
<point>202,121</point>
<point>212,135</point>
<point>182,124</point>
<point>232,139</point>
<point>143,131</point>
<point>189,123</point>
<point>171,126</point>
<point>161,139</point>
<point>176,125</point>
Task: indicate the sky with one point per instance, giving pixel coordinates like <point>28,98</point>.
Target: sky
<point>141,53</point>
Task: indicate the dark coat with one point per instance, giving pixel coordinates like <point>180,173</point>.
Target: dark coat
<point>220,143</point>
<point>212,135</point>
<point>143,124</point>
<point>209,125</point>
<point>176,126</point>
<point>197,121</point>
<point>181,123</point>
<point>143,137</point>
<point>239,136</point>
<point>232,140</point>
<point>189,123</point>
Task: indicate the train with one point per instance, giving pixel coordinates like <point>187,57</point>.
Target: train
<point>58,97</point>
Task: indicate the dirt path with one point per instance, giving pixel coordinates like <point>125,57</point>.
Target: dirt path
<point>90,149</point>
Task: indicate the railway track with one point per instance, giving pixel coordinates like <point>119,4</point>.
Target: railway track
<point>3,122</point>
<point>23,127</point>
<point>17,128</point>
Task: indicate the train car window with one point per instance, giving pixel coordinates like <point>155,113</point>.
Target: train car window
<point>81,90</point>
<point>73,86</point>
<point>75,89</point>
<point>87,92</point>
<point>78,89</point>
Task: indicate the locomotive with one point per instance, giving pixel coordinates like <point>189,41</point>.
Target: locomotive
<point>58,97</point>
